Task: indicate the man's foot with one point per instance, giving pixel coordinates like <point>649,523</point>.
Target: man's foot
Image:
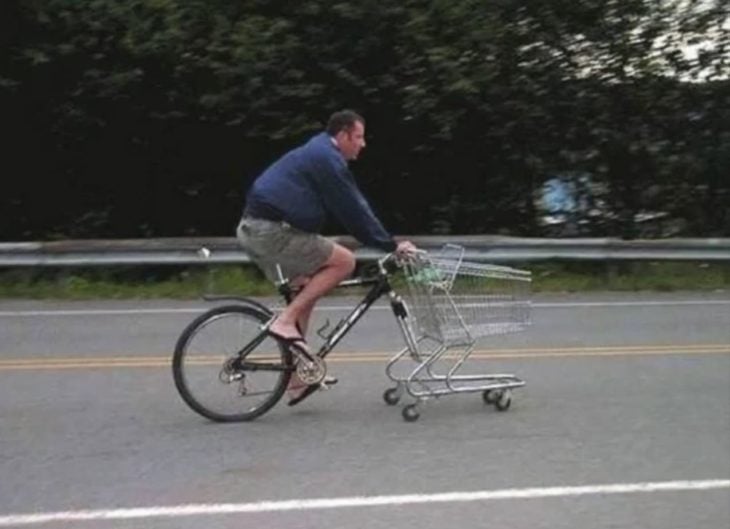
<point>298,391</point>
<point>290,338</point>
<point>285,331</point>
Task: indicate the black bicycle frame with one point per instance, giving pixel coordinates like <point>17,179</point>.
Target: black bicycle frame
<point>380,287</point>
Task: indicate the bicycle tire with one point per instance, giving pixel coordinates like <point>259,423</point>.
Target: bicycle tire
<point>185,373</point>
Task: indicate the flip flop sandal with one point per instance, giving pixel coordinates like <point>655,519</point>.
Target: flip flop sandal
<point>328,381</point>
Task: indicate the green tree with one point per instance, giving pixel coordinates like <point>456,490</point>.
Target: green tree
<point>151,117</point>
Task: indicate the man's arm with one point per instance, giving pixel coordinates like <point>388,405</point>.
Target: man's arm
<point>344,200</point>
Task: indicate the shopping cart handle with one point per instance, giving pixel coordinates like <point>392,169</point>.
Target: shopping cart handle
<point>391,262</point>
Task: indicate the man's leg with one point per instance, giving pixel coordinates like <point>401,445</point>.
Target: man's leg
<point>303,320</point>
<point>338,267</point>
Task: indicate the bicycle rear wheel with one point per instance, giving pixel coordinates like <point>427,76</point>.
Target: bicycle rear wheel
<point>225,369</point>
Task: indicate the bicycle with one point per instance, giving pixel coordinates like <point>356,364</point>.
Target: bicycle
<point>255,367</point>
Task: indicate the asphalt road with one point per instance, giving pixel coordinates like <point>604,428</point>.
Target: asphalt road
<point>624,422</point>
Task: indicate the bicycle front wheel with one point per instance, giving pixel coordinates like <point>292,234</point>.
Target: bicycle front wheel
<point>225,369</point>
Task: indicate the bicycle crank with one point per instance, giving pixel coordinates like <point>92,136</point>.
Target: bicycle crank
<point>311,370</point>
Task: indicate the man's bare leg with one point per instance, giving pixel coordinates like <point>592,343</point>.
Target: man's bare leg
<point>338,267</point>
<point>303,321</point>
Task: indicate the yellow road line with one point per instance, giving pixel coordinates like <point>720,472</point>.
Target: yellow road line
<point>68,363</point>
<point>542,351</point>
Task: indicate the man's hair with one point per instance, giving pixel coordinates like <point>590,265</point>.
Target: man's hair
<point>343,120</point>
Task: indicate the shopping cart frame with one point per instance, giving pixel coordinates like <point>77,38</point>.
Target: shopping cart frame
<point>440,331</point>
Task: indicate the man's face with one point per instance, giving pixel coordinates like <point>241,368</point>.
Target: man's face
<point>351,142</point>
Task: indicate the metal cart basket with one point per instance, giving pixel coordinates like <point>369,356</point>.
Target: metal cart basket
<point>452,303</point>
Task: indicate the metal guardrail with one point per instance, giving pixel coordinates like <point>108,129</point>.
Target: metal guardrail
<point>187,251</point>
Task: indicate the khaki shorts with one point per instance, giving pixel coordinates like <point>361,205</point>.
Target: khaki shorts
<point>299,253</point>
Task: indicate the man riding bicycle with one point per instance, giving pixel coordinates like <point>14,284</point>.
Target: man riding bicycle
<point>284,213</point>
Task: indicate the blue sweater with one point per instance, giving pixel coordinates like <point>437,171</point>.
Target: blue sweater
<point>309,181</point>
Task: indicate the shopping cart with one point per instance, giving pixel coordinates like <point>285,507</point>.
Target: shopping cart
<point>453,303</point>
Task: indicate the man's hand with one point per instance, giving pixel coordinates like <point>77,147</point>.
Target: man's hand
<point>405,248</point>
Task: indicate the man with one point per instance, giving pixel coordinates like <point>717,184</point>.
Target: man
<point>285,210</point>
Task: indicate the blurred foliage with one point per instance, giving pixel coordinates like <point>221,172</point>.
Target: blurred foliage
<point>194,282</point>
<point>152,117</point>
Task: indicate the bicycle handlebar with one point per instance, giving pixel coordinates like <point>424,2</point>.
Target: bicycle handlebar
<point>396,258</point>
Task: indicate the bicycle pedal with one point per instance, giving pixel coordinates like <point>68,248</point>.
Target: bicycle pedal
<point>327,383</point>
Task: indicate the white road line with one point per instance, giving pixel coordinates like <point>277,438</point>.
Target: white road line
<point>346,308</point>
<point>357,501</point>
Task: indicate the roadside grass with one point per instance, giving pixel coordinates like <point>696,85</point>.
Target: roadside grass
<point>193,282</point>
<point>132,283</point>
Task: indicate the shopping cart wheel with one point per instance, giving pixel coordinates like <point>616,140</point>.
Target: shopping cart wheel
<point>410,413</point>
<point>490,396</point>
<point>503,402</point>
<point>391,396</point>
